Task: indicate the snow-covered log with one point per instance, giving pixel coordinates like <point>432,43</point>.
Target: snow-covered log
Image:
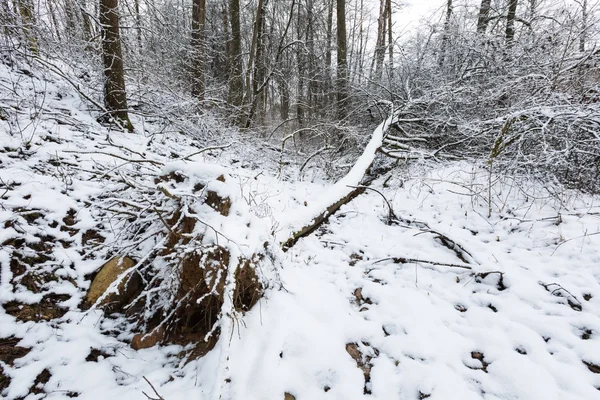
<point>341,193</point>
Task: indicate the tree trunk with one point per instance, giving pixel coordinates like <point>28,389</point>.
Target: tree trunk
<point>252,54</point>
<point>484,12</point>
<point>236,80</point>
<point>376,70</point>
<point>342,63</point>
<point>85,20</point>
<point>583,34</point>
<point>138,22</point>
<point>198,39</point>
<point>258,76</point>
<point>28,23</point>
<point>510,22</point>
<point>71,18</point>
<point>446,35</point>
<point>329,39</point>
<point>115,97</point>
<point>301,64</point>
<point>390,44</point>
<point>52,18</point>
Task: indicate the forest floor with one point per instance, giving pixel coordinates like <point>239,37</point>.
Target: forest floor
<point>509,308</point>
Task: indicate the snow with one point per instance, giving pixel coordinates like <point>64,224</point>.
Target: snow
<point>426,330</point>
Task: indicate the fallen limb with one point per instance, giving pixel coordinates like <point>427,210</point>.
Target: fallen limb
<point>405,260</point>
<point>341,193</point>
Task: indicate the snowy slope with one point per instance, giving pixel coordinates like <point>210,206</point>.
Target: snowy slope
<point>345,320</point>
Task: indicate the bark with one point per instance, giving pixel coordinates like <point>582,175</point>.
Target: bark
<point>7,18</point>
<point>510,22</point>
<point>329,35</point>
<point>342,63</point>
<point>85,20</point>
<point>252,54</point>
<point>583,34</point>
<point>484,14</point>
<point>258,76</point>
<point>301,63</point>
<point>236,81</point>
<point>138,21</point>
<point>53,19</point>
<point>390,42</point>
<point>379,56</point>
<point>26,10</point>
<point>71,18</point>
<point>446,36</point>
<point>284,92</point>
<point>198,45</point>
<point>115,97</point>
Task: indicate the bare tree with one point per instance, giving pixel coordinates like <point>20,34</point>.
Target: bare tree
<point>198,27</point>
<point>484,12</point>
<point>446,34</point>
<point>510,21</point>
<point>115,97</point>
<point>236,81</point>
<point>584,18</point>
<point>342,62</point>
<point>26,9</point>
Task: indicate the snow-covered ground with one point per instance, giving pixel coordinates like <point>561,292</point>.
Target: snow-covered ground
<point>361,308</point>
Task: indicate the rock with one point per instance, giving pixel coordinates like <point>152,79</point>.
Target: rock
<point>128,288</point>
<point>289,396</point>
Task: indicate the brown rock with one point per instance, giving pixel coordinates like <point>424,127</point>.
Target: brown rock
<point>289,396</point>
<point>128,288</point>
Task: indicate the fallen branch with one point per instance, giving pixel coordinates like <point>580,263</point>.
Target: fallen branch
<point>157,163</point>
<point>341,193</point>
<point>404,260</point>
<point>222,147</point>
<point>158,396</point>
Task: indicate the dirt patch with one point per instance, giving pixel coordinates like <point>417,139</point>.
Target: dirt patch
<point>220,204</point>
<point>248,289</point>
<point>495,278</point>
<point>9,351</point>
<point>47,309</point>
<point>354,259</point>
<point>40,380</point>
<point>95,355</point>
<point>70,219</point>
<point>363,362</point>
<point>476,355</point>
<point>92,237</point>
<point>592,367</point>
<point>4,380</point>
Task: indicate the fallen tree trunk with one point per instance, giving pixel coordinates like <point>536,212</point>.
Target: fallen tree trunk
<point>344,191</point>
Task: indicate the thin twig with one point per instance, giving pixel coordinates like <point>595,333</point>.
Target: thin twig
<point>208,149</point>
<point>155,392</point>
<point>157,163</point>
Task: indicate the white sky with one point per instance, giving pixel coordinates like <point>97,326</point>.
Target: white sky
<point>414,10</point>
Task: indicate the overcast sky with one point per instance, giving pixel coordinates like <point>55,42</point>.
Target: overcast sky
<point>414,10</point>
